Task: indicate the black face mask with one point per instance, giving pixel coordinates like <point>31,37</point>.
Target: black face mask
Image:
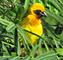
<point>39,13</point>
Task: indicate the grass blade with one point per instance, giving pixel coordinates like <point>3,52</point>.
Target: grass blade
<point>26,4</point>
<point>16,42</point>
<point>46,55</point>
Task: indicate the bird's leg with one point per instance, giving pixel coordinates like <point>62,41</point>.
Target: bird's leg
<point>36,53</point>
<point>22,51</point>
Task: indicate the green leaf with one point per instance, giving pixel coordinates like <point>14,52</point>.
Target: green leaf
<point>49,27</point>
<point>25,36</point>
<point>46,1</point>
<point>33,51</point>
<point>35,1</point>
<point>46,55</point>
<point>6,35</point>
<point>14,57</point>
<point>26,57</point>
<point>7,44</point>
<point>57,46</point>
<point>11,27</point>
<point>6,54</point>
<point>4,47</point>
<point>15,1</point>
<point>0,45</point>
<point>58,30</point>
<point>1,1</point>
<point>21,11</point>
<point>56,4</point>
<point>12,13</point>
<point>8,57</point>
<point>59,51</point>
<point>22,1</point>
<point>51,58</point>
<point>32,33</point>
<point>40,47</point>
<point>5,22</point>
<point>55,16</point>
<point>61,1</point>
<point>17,44</point>
<point>41,2</point>
<point>4,57</point>
<point>26,4</point>
<point>45,32</point>
<point>46,47</point>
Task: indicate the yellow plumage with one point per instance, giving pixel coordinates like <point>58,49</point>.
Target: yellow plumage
<point>32,22</point>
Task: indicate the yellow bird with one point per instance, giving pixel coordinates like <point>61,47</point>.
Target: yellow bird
<point>31,21</point>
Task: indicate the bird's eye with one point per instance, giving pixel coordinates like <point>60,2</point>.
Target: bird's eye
<point>37,12</point>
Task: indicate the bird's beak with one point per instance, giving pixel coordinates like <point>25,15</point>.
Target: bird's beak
<point>43,14</point>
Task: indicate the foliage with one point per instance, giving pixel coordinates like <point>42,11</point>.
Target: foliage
<point>49,45</point>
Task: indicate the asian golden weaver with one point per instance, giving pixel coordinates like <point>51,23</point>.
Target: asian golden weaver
<point>31,21</point>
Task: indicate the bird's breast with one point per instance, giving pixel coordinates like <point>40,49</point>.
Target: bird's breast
<point>34,25</point>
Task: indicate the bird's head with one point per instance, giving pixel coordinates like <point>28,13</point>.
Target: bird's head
<point>38,10</point>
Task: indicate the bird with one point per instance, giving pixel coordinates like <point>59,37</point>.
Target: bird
<point>31,21</point>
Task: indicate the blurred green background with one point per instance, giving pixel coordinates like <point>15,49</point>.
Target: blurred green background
<point>49,45</point>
